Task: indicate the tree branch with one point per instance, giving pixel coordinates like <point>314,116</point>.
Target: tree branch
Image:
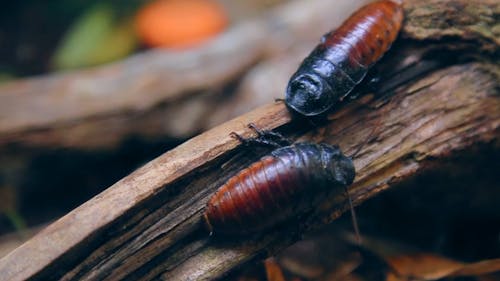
<point>149,224</point>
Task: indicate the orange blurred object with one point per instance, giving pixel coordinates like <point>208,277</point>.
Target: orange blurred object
<point>179,23</point>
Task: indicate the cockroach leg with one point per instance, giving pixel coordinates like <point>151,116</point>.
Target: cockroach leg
<point>269,135</point>
<point>257,141</point>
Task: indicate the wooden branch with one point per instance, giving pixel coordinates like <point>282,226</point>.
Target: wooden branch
<point>473,21</point>
<point>149,224</point>
<point>99,107</point>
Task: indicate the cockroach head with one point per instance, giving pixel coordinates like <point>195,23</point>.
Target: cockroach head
<point>340,168</point>
<point>309,95</point>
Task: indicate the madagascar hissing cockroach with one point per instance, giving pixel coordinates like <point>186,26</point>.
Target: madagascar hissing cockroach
<point>342,59</point>
<point>285,183</point>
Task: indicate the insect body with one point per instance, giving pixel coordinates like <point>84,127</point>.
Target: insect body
<point>343,58</point>
<point>285,183</point>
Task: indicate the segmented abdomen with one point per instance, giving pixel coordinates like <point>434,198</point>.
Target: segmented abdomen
<point>266,192</point>
<point>365,36</point>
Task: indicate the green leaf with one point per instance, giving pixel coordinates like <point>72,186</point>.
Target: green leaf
<point>119,43</point>
<point>81,39</point>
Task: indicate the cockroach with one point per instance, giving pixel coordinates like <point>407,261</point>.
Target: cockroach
<point>287,182</point>
<point>343,57</point>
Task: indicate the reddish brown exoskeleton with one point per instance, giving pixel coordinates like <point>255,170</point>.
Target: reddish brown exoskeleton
<point>288,182</point>
<point>342,59</point>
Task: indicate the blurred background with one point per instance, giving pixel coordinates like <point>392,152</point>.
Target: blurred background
<point>39,37</point>
<point>91,90</point>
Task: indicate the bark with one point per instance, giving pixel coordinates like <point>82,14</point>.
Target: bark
<point>148,225</point>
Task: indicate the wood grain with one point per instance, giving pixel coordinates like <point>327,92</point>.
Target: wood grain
<point>148,225</point>
<point>154,214</point>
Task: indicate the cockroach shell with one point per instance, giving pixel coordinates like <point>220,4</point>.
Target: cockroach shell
<point>342,59</point>
<point>278,186</point>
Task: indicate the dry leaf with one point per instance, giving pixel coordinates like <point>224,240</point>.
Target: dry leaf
<point>424,266</point>
<point>478,268</point>
<point>273,270</point>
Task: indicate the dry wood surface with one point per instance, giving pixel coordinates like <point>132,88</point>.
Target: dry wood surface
<point>148,225</point>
